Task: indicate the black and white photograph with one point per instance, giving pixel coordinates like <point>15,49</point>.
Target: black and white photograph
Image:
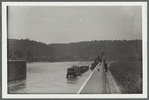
<point>74,49</point>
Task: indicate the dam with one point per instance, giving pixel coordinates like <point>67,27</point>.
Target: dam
<point>16,69</point>
<point>100,81</point>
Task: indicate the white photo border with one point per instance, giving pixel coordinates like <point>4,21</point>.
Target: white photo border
<point>4,49</point>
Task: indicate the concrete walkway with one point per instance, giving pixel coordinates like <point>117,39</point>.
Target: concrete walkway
<point>100,82</point>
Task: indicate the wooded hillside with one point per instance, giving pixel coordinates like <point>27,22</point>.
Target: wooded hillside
<point>89,50</point>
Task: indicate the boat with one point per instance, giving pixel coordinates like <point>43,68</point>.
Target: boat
<point>83,69</point>
<point>75,71</point>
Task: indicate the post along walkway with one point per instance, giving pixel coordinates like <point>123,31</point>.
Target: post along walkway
<point>99,82</point>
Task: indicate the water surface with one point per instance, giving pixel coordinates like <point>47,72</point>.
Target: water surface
<point>49,78</point>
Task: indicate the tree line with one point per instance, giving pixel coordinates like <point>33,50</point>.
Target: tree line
<point>34,51</point>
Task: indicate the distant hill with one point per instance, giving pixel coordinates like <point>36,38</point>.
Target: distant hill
<point>29,50</point>
<point>89,50</point>
<point>115,50</point>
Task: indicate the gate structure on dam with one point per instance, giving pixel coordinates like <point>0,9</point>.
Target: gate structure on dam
<point>16,69</point>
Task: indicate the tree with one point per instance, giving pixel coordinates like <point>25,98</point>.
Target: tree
<point>18,54</point>
<point>29,55</point>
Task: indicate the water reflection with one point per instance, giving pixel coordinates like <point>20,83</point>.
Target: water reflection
<point>72,80</point>
<point>80,75</point>
<point>16,85</point>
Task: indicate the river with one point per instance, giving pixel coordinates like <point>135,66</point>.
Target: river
<point>49,78</point>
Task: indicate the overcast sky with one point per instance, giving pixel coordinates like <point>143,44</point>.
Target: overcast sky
<point>74,23</point>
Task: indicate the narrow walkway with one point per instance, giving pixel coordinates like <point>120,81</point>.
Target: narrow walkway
<point>100,82</point>
<point>95,83</point>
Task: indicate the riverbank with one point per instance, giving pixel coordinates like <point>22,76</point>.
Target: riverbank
<point>128,74</point>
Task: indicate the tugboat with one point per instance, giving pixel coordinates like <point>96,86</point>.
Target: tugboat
<point>73,71</point>
<point>76,70</point>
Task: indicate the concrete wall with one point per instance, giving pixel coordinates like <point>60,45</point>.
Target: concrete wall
<point>16,69</point>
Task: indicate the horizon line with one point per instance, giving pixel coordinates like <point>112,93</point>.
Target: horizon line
<point>77,41</point>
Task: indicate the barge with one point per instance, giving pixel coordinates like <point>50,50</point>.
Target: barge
<point>75,71</point>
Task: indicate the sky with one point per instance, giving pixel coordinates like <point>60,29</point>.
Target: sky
<point>65,24</point>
